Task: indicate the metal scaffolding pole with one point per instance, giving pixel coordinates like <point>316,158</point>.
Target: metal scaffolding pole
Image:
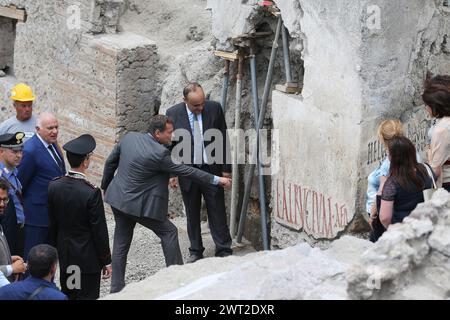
<point>267,90</point>
<point>226,76</point>
<point>235,166</point>
<point>262,195</point>
<point>286,55</point>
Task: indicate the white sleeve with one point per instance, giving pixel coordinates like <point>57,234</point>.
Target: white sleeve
<point>440,147</point>
<point>9,270</point>
<point>3,280</point>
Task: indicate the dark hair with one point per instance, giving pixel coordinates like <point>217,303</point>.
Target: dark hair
<point>158,122</point>
<point>404,166</point>
<point>3,185</point>
<point>437,94</point>
<point>41,259</point>
<point>192,86</point>
<point>75,160</point>
<point>432,79</point>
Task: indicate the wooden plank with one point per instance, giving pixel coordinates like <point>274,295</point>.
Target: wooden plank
<point>227,55</point>
<point>255,35</point>
<point>274,11</point>
<point>288,88</point>
<point>13,13</point>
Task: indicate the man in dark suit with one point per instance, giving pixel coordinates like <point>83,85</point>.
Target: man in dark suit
<point>139,192</point>
<point>42,161</point>
<point>78,225</point>
<point>194,113</point>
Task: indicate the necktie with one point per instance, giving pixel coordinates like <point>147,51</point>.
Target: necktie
<point>198,142</point>
<point>56,157</point>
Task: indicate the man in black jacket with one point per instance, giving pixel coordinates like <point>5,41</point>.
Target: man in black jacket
<point>197,116</point>
<point>78,225</point>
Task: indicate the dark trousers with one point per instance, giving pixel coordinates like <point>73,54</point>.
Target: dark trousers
<point>215,205</point>
<point>446,186</point>
<point>89,286</point>
<point>377,227</point>
<point>19,247</point>
<point>34,236</point>
<point>123,234</point>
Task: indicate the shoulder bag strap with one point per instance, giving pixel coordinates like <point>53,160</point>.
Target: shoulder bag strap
<point>430,173</point>
<point>36,292</point>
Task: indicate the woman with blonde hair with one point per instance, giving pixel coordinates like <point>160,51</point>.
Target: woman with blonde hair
<point>387,130</point>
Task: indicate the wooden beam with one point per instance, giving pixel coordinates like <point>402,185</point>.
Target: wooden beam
<point>288,88</point>
<point>275,11</point>
<point>232,56</point>
<point>254,35</point>
<point>13,13</point>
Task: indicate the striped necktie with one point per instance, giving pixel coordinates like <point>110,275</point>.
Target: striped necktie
<point>56,157</point>
<point>198,142</point>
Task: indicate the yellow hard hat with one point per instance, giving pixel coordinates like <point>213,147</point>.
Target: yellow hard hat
<point>22,92</point>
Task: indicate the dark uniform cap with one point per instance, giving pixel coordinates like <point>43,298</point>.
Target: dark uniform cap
<point>81,146</point>
<point>12,140</point>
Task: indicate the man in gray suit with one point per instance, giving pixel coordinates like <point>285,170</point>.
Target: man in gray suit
<point>139,192</point>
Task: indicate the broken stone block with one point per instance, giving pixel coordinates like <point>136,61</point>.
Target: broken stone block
<point>194,34</point>
<point>105,16</point>
<point>440,239</point>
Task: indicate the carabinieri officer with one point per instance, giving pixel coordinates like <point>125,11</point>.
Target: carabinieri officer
<point>78,225</point>
<point>11,145</point>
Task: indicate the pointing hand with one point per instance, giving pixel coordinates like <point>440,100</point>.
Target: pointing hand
<point>225,182</point>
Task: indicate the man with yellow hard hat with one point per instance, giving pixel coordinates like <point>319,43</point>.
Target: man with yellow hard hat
<point>23,121</point>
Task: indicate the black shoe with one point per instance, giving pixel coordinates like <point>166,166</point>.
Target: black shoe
<point>224,254</point>
<point>193,257</point>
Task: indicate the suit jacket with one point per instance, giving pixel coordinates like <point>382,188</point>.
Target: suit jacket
<point>8,221</point>
<point>22,290</point>
<point>212,118</point>
<point>77,224</point>
<point>5,255</point>
<point>36,170</point>
<point>140,187</point>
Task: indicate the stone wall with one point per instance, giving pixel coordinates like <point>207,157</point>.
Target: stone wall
<point>94,79</point>
<point>364,62</point>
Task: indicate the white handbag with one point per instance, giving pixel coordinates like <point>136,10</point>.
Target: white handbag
<point>428,193</point>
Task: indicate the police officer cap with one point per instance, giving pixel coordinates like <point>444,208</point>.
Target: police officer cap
<point>81,146</point>
<point>12,140</point>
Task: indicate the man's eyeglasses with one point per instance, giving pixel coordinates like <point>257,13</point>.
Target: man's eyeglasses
<point>4,200</point>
